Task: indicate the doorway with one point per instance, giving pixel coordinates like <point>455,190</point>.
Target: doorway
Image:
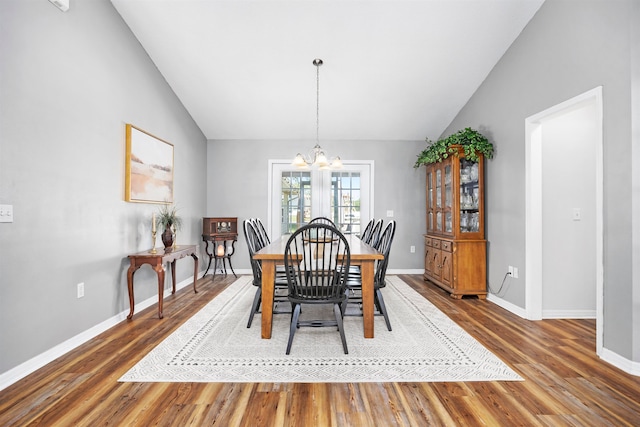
<point>564,211</point>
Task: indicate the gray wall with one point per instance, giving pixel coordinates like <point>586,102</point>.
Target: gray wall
<point>237,186</point>
<point>68,83</point>
<point>568,48</point>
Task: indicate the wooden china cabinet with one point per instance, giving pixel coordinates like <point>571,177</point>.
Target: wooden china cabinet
<point>455,246</point>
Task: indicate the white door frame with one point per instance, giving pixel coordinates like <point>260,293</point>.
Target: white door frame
<point>364,166</point>
<point>533,208</point>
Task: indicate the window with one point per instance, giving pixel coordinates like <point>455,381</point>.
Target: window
<point>296,196</point>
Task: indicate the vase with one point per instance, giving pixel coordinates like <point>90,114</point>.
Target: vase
<point>167,237</point>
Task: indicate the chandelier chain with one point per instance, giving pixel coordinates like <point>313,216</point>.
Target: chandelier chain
<point>318,103</point>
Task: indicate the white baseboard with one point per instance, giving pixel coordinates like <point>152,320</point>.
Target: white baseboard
<point>405,271</point>
<point>519,311</point>
<point>629,366</point>
<point>15,374</point>
<point>568,314</point>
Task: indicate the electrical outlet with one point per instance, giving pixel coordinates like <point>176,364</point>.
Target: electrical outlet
<point>511,271</point>
<point>389,214</point>
<point>80,290</point>
<point>412,249</point>
<point>515,272</point>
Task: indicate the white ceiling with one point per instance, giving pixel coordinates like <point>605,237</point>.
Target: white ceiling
<point>393,69</point>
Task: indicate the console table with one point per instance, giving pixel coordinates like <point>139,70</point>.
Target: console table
<point>156,261</point>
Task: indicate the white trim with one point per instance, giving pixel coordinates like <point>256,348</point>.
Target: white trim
<point>518,311</point>
<point>281,165</point>
<point>568,314</point>
<point>19,372</point>
<point>628,366</point>
<point>533,208</point>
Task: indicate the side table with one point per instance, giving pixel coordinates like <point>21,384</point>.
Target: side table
<point>156,261</point>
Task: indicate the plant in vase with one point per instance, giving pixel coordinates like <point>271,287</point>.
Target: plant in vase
<point>169,220</point>
<point>471,141</point>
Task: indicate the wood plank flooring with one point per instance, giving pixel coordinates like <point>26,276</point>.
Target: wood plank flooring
<point>565,383</point>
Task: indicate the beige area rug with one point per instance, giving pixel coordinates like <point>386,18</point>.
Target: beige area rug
<point>215,345</point>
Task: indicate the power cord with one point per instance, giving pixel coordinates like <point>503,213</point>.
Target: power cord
<point>501,286</point>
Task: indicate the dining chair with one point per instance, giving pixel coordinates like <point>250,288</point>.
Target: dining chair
<point>322,220</point>
<point>366,234</point>
<point>375,233</point>
<point>354,283</point>
<point>254,244</point>
<point>316,259</point>
<point>262,232</point>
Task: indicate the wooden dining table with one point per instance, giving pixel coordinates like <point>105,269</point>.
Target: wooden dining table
<point>361,254</point>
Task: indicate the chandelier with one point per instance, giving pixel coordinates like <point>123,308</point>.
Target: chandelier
<point>317,157</point>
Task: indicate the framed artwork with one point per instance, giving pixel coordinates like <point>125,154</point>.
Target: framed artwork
<point>148,168</point>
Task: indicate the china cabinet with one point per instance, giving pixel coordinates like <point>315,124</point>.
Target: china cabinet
<point>455,245</point>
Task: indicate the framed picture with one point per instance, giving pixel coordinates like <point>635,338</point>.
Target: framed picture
<point>148,168</point>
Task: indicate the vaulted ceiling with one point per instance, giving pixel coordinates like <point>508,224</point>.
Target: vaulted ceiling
<point>393,69</point>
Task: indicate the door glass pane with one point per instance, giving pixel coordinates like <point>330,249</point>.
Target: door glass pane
<point>345,201</point>
<point>295,201</point>
<point>430,201</point>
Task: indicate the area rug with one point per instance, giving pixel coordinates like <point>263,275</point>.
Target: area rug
<point>215,345</point>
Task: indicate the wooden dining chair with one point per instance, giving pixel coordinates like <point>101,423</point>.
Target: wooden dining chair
<point>316,258</point>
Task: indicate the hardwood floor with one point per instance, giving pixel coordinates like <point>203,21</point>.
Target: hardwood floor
<point>565,383</point>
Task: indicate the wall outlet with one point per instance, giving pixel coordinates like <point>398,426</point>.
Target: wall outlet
<point>412,249</point>
<point>389,214</point>
<point>515,272</point>
<point>80,290</point>
<point>511,271</point>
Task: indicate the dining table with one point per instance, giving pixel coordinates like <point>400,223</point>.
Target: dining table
<point>362,255</point>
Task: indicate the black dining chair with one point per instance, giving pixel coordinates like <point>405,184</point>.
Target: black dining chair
<point>375,233</point>
<point>366,233</point>
<point>316,258</point>
<point>254,244</point>
<point>322,220</point>
<point>354,283</point>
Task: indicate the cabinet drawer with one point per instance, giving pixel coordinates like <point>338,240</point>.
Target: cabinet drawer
<point>446,246</point>
<point>428,241</point>
<point>435,243</point>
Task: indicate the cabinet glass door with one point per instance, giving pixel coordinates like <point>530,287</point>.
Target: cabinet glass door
<point>469,197</point>
<point>438,200</point>
<point>448,199</point>
<point>429,201</point>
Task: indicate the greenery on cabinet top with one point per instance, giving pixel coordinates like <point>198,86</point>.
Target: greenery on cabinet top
<point>471,141</point>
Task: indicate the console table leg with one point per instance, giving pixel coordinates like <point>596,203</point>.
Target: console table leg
<point>173,276</point>
<point>130,272</point>
<point>195,272</point>
<point>160,271</point>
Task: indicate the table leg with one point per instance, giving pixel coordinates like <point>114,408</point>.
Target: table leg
<point>172,264</point>
<point>195,271</point>
<point>366,269</point>
<point>160,272</point>
<point>130,272</point>
<point>268,280</point>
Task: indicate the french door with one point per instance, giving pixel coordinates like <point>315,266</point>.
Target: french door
<point>297,196</point>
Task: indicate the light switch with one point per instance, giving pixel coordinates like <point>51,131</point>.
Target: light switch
<point>577,214</point>
<point>6,213</point>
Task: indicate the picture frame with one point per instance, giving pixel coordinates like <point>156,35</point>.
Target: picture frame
<point>148,167</point>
